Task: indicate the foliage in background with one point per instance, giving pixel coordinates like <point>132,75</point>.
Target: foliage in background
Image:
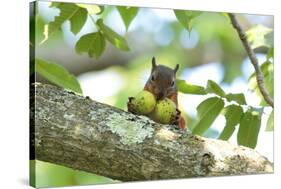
<point>186,17</point>
<point>52,175</point>
<point>239,115</point>
<point>94,45</point>
<point>232,106</point>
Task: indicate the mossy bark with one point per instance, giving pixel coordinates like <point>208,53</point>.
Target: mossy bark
<point>83,134</point>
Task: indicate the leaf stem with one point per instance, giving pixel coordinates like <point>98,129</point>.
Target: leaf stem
<point>253,59</point>
<point>92,18</point>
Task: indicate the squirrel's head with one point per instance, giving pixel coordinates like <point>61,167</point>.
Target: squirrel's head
<point>162,80</point>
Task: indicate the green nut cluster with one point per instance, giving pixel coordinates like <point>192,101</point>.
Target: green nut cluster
<point>161,111</point>
<point>164,111</point>
<point>144,102</point>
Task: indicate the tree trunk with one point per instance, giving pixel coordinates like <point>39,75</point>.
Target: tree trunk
<point>77,132</point>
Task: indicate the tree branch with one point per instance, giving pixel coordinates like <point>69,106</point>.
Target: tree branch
<point>253,59</point>
<point>77,132</point>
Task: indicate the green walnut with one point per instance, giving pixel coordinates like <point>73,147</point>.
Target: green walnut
<point>165,111</point>
<point>144,102</point>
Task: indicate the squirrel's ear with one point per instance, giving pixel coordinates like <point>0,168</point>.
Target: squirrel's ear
<point>153,63</point>
<point>176,68</point>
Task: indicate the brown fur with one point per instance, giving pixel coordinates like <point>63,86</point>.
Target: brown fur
<point>161,86</point>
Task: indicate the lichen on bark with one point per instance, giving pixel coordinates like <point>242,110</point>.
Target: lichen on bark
<point>130,131</point>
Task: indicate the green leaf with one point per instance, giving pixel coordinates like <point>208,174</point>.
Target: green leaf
<point>77,21</point>
<point>208,110</point>
<point>259,36</point>
<point>68,11</point>
<point>225,15</point>
<point>267,70</point>
<point>92,43</point>
<point>270,122</point>
<point>101,10</point>
<point>232,68</point>
<point>270,53</point>
<point>213,87</point>
<point>57,75</point>
<point>249,129</point>
<point>127,14</point>
<point>54,4</point>
<point>186,17</point>
<point>114,38</point>
<point>233,114</point>
<point>188,88</point>
<point>237,97</point>
<point>92,9</point>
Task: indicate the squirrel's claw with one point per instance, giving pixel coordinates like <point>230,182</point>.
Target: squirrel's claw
<point>130,106</point>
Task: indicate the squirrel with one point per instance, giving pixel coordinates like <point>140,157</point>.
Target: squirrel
<point>162,83</point>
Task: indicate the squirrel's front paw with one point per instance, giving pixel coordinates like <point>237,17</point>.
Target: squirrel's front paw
<point>176,118</point>
<point>130,105</point>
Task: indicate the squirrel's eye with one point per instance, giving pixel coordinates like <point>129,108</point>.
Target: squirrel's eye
<point>152,78</point>
<point>172,84</point>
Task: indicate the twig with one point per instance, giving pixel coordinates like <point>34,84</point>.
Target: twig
<point>253,59</point>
